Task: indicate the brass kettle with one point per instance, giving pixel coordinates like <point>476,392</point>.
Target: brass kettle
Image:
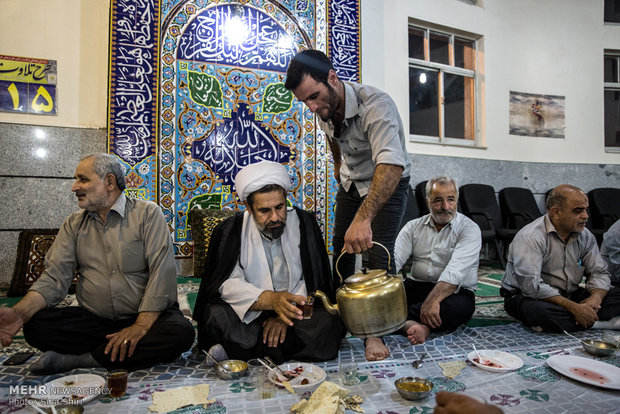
<point>371,302</point>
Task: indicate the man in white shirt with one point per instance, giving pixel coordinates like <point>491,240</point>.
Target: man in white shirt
<point>260,264</point>
<point>445,248</point>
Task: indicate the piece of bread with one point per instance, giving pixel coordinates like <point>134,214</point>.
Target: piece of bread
<point>170,400</point>
<point>326,399</point>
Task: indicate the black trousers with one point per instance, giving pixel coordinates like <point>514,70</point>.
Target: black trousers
<point>384,228</point>
<point>314,339</point>
<point>454,310</point>
<point>554,318</point>
<point>74,330</point>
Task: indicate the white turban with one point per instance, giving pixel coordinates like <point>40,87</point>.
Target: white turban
<point>255,176</point>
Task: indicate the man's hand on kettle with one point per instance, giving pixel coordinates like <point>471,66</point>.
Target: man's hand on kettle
<point>283,304</point>
<point>358,236</point>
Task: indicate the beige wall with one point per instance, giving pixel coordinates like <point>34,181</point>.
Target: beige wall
<point>75,34</point>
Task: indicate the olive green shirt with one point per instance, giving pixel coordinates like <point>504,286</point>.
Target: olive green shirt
<point>125,266</point>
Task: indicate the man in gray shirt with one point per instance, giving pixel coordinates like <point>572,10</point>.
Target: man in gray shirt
<point>127,314</point>
<point>547,261</point>
<point>367,141</point>
<point>610,250</point>
<point>445,249</point>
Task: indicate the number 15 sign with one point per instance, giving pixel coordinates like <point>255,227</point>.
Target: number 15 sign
<point>27,85</point>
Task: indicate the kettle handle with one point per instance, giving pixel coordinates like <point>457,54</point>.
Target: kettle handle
<point>341,254</point>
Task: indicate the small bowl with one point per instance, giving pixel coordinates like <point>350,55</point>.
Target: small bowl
<point>413,388</point>
<point>235,369</point>
<point>598,348</point>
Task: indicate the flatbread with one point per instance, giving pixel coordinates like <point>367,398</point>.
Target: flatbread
<point>328,398</point>
<point>170,400</point>
<point>452,369</point>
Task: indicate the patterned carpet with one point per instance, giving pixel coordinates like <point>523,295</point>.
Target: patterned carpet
<point>535,388</point>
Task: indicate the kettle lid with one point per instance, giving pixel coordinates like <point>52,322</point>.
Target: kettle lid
<point>365,275</point>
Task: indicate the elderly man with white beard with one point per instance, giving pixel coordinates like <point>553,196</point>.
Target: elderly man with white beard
<point>445,248</point>
<point>261,263</point>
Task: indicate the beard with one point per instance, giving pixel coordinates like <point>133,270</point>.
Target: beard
<point>443,216</point>
<point>272,232</point>
<point>332,104</point>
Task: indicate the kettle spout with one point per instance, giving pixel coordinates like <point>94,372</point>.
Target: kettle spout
<point>333,309</point>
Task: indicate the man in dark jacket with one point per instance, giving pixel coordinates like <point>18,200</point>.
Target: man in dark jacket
<point>260,265</point>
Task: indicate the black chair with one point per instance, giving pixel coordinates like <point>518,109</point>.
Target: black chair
<point>411,211</point>
<point>420,195</point>
<point>604,210</point>
<point>518,207</point>
<point>478,202</point>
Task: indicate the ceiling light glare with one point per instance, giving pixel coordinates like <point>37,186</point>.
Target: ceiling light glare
<point>236,31</point>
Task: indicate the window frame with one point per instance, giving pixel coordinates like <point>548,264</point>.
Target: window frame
<point>475,74</point>
<point>611,86</point>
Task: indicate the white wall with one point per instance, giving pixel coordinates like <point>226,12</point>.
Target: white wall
<point>550,47</point>
<point>75,34</point>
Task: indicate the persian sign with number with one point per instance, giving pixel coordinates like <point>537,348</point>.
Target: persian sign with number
<point>27,85</point>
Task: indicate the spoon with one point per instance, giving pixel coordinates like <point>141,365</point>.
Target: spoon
<point>222,367</point>
<point>38,409</point>
<point>480,359</point>
<point>417,364</point>
<point>574,337</point>
<point>285,374</point>
<point>282,377</point>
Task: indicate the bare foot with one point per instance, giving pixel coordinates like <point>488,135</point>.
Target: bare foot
<point>376,349</point>
<point>416,332</point>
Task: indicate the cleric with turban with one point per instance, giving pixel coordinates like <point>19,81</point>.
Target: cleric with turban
<point>260,264</point>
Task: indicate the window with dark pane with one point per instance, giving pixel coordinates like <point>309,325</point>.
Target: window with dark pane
<point>458,110</point>
<point>423,101</point>
<point>612,118</point>
<point>611,69</point>
<point>612,11</point>
<point>439,48</point>
<point>416,43</point>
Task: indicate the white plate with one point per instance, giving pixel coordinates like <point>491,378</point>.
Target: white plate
<point>590,371</point>
<point>315,375</point>
<point>508,362</point>
<point>78,389</point>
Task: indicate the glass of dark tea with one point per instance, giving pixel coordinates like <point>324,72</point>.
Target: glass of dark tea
<point>117,383</point>
<point>307,307</point>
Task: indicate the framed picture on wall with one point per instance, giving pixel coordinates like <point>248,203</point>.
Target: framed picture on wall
<point>536,115</point>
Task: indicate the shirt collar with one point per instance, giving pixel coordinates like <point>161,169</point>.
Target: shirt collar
<point>550,228</point>
<point>350,102</point>
<point>118,206</point>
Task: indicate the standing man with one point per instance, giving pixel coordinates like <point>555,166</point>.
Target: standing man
<point>445,248</point>
<point>127,314</point>
<point>260,264</point>
<point>547,260</point>
<point>367,141</point>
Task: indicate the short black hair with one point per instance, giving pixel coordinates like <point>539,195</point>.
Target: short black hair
<point>308,62</point>
<point>265,189</point>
